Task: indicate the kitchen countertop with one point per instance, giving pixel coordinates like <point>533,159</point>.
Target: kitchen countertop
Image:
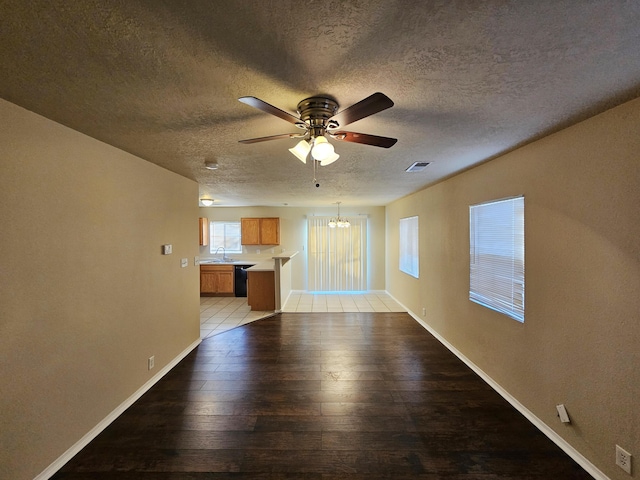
<point>262,265</point>
<point>234,262</point>
<point>270,265</point>
<point>265,266</point>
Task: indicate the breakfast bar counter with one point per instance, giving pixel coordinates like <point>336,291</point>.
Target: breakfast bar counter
<point>269,283</point>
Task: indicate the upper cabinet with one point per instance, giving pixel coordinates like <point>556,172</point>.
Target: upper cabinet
<point>270,231</point>
<point>260,231</point>
<point>204,231</point>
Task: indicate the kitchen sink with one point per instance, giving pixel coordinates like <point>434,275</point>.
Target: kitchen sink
<point>217,260</point>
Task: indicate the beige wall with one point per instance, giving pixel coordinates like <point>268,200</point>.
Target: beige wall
<point>85,296</point>
<point>580,343</point>
<point>293,225</point>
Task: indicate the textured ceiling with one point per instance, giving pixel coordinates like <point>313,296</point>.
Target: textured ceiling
<point>470,80</point>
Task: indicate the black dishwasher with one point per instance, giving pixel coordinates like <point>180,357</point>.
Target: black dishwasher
<point>241,280</point>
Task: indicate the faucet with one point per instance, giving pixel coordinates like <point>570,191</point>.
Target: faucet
<point>224,253</point>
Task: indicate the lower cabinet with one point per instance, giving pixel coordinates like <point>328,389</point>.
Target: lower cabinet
<point>216,280</point>
<point>261,290</point>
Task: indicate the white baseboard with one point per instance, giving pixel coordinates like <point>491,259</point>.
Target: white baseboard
<point>95,431</point>
<point>539,424</point>
<point>284,304</point>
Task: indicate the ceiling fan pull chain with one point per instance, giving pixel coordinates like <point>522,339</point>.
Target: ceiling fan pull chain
<point>314,172</point>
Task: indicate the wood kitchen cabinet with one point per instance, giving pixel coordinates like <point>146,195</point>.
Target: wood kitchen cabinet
<point>204,231</point>
<point>261,290</point>
<point>216,280</point>
<point>260,231</point>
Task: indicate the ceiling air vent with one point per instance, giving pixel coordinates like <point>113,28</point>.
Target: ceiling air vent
<point>417,167</point>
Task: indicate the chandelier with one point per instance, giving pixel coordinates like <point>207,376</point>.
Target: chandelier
<point>339,221</point>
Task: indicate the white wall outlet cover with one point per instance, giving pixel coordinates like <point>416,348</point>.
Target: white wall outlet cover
<point>562,413</point>
<point>623,459</point>
<point>184,262</point>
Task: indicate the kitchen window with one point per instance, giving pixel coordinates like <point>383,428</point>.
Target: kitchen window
<point>497,256</point>
<point>226,235</point>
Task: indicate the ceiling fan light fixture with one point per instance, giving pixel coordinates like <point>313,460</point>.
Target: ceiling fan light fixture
<point>322,149</point>
<point>330,160</point>
<point>320,116</point>
<point>301,150</point>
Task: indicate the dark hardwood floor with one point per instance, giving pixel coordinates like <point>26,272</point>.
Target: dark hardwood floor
<point>349,396</point>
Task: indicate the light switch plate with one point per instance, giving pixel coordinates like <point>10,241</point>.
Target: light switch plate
<point>167,249</point>
<point>184,262</point>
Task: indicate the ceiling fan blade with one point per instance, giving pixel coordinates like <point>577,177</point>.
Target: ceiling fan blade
<point>268,108</point>
<point>364,138</point>
<point>272,137</point>
<point>372,104</point>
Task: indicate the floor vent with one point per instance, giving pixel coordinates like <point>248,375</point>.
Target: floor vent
<point>417,167</point>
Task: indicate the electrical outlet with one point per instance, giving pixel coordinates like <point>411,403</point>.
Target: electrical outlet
<point>184,262</point>
<point>562,413</point>
<point>623,459</point>
<point>151,362</point>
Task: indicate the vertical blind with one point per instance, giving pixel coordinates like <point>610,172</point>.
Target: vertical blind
<point>497,256</point>
<point>337,260</point>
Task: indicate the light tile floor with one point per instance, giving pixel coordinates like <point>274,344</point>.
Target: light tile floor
<point>219,314</point>
<point>341,302</point>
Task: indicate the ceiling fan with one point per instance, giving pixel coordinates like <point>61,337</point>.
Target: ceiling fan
<point>318,118</point>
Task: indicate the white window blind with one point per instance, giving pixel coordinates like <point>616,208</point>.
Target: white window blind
<point>409,253</point>
<point>227,235</point>
<point>497,256</point>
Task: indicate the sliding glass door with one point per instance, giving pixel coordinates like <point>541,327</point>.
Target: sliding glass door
<point>337,257</point>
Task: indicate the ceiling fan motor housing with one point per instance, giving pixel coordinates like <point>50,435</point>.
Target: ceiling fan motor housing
<point>316,112</point>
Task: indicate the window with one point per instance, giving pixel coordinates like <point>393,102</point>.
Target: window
<point>227,235</point>
<point>497,256</point>
<point>409,255</point>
